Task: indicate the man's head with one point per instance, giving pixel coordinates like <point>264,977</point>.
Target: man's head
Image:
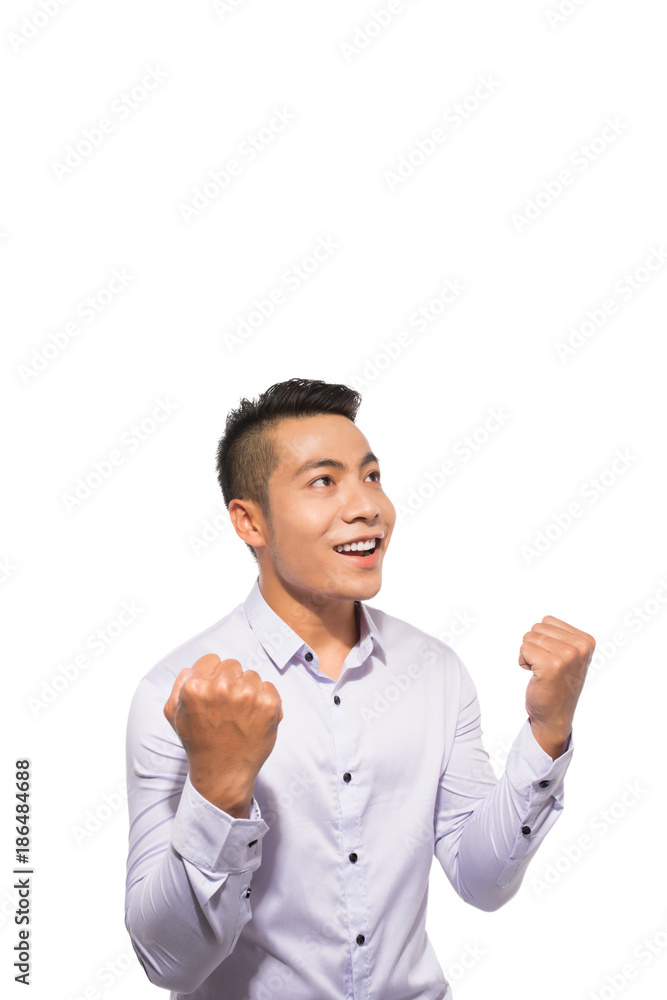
<point>292,520</point>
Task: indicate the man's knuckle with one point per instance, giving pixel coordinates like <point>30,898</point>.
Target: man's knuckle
<point>245,693</point>
<point>195,689</point>
<point>229,665</point>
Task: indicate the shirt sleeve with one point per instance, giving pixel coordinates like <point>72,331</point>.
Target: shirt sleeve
<point>487,829</point>
<point>190,864</point>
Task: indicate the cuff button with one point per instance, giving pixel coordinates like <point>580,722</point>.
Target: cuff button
<point>525,829</point>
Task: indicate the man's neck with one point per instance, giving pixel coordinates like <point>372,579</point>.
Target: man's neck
<point>328,626</point>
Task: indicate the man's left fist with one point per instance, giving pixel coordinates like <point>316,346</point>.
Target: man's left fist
<point>558,656</point>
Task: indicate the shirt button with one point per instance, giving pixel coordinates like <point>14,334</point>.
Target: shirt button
<point>336,700</point>
<point>347,776</point>
<point>252,843</point>
<point>247,893</point>
<point>309,656</point>
<point>525,829</point>
<point>543,784</point>
<point>353,857</point>
<point>360,938</point>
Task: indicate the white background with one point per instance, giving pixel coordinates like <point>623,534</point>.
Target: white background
<point>154,532</point>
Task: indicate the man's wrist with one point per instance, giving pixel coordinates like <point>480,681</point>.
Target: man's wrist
<point>234,801</point>
<point>553,740</point>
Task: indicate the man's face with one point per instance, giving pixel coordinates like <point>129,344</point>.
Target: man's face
<point>325,505</point>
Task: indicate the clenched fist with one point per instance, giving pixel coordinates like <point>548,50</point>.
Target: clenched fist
<point>558,655</point>
<point>227,720</point>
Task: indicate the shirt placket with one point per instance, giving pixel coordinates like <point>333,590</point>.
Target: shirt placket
<point>349,772</point>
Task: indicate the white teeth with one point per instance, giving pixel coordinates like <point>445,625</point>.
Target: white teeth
<point>356,546</point>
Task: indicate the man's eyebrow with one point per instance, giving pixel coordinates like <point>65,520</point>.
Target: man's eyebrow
<point>333,463</point>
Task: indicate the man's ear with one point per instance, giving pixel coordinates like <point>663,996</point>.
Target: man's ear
<point>248,521</point>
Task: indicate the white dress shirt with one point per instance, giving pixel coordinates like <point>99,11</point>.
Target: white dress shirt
<point>370,776</point>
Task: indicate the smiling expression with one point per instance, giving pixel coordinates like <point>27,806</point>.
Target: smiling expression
<point>325,493</point>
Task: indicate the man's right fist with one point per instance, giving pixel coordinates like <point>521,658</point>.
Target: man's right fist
<point>227,720</point>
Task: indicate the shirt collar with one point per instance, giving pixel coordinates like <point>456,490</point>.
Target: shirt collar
<point>281,643</point>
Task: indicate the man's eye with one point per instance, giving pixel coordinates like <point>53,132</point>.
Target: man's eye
<point>375,472</point>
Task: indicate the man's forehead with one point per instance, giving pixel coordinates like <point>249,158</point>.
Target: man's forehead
<point>328,435</point>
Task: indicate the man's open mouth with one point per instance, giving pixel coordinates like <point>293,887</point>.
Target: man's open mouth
<point>363,548</point>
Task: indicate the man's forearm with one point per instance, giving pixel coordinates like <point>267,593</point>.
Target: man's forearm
<point>189,864</point>
<point>487,856</point>
<point>178,935</point>
<point>166,926</point>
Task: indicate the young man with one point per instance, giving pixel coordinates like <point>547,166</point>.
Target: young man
<point>318,752</point>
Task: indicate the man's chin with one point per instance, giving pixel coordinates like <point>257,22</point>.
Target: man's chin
<point>327,585</point>
<point>364,590</point>
<point>360,590</point>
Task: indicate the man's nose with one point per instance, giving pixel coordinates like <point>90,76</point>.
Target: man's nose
<point>360,502</point>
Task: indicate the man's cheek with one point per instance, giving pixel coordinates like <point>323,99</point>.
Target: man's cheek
<point>390,517</point>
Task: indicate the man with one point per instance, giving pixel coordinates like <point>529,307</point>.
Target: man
<point>318,752</point>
